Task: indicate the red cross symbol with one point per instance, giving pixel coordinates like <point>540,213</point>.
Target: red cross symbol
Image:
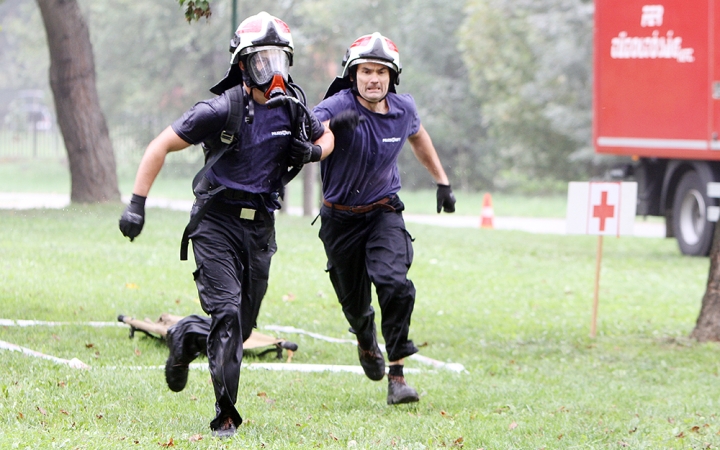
<point>603,211</point>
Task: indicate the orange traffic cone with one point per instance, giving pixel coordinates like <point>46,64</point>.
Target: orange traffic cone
<point>487,215</point>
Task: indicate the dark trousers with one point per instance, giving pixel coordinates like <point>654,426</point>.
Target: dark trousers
<point>233,263</point>
<point>372,248</point>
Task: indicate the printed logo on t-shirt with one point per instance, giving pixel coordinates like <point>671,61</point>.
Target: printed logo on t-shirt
<point>392,139</point>
<point>281,133</point>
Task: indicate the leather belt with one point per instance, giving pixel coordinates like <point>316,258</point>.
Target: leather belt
<point>361,209</point>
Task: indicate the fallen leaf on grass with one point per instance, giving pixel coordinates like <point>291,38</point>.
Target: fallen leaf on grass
<point>138,352</point>
<point>681,435</point>
<point>89,345</point>
<point>512,426</point>
<point>695,429</point>
<point>261,394</point>
<point>42,411</point>
<point>444,414</point>
<point>169,443</point>
<point>458,442</point>
<point>289,297</point>
<point>195,438</point>
<point>64,412</point>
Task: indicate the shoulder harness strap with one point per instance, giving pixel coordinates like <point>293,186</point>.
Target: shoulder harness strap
<point>234,119</point>
<point>203,198</point>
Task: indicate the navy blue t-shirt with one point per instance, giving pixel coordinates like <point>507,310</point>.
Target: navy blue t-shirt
<point>363,167</point>
<point>258,159</point>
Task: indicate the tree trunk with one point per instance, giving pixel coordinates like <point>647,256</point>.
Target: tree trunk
<point>707,327</point>
<point>72,79</point>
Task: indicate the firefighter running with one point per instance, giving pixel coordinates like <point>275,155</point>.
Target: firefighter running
<point>235,240</point>
<point>362,226</point>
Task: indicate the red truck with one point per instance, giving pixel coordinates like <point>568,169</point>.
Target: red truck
<point>656,99</point>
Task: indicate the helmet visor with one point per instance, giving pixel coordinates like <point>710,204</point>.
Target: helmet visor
<point>264,64</point>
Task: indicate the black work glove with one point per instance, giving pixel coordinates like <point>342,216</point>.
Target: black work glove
<point>303,152</point>
<point>348,119</point>
<point>133,218</point>
<point>445,198</point>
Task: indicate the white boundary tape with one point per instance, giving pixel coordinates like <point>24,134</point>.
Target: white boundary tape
<point>73,363</point>
<point>36,323</point>
<point>454,367</point>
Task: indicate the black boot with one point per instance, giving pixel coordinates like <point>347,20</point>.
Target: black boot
<point>372,362</point>
<point>400,392</point>
<point>176,366</point>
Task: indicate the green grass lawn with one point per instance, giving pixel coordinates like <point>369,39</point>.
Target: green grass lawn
<point>512,307</point>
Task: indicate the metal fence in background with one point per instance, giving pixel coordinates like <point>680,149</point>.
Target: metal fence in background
<point>44,141</point>
<point>29,132</point>
<point>31,143</point>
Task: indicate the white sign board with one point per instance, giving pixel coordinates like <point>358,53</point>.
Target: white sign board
<point>601,208</point>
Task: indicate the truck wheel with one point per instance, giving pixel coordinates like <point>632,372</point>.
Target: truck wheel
<point>692,230</point>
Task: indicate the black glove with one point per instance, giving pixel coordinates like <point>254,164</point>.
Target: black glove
<point>445,198</point>
<point>348,119</point>
<point>133,218</point>
<point>303,152</point>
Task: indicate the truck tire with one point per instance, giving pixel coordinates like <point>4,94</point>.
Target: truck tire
<point>692,230</point>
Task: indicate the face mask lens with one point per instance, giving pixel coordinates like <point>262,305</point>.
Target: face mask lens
<point>266,63</point>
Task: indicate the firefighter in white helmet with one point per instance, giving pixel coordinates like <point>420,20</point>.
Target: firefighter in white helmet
<point>233,232</point>
<point>362,228</point>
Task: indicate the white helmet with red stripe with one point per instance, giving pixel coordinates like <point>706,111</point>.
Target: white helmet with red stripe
<point>265,46</point>
<point>374,48</point>
<point>260,30</point>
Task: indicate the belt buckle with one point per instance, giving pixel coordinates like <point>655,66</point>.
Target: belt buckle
<point>247,213</point>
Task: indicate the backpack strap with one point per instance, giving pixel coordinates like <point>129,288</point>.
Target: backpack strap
<point>203,197</point>
<point>236,95</point>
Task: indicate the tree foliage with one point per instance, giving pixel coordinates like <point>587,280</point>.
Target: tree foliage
<point>502,86</point>
<point>530,65</point>
<point>196,10</point>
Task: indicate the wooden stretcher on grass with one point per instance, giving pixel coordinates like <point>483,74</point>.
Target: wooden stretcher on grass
<point>262,343</point>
